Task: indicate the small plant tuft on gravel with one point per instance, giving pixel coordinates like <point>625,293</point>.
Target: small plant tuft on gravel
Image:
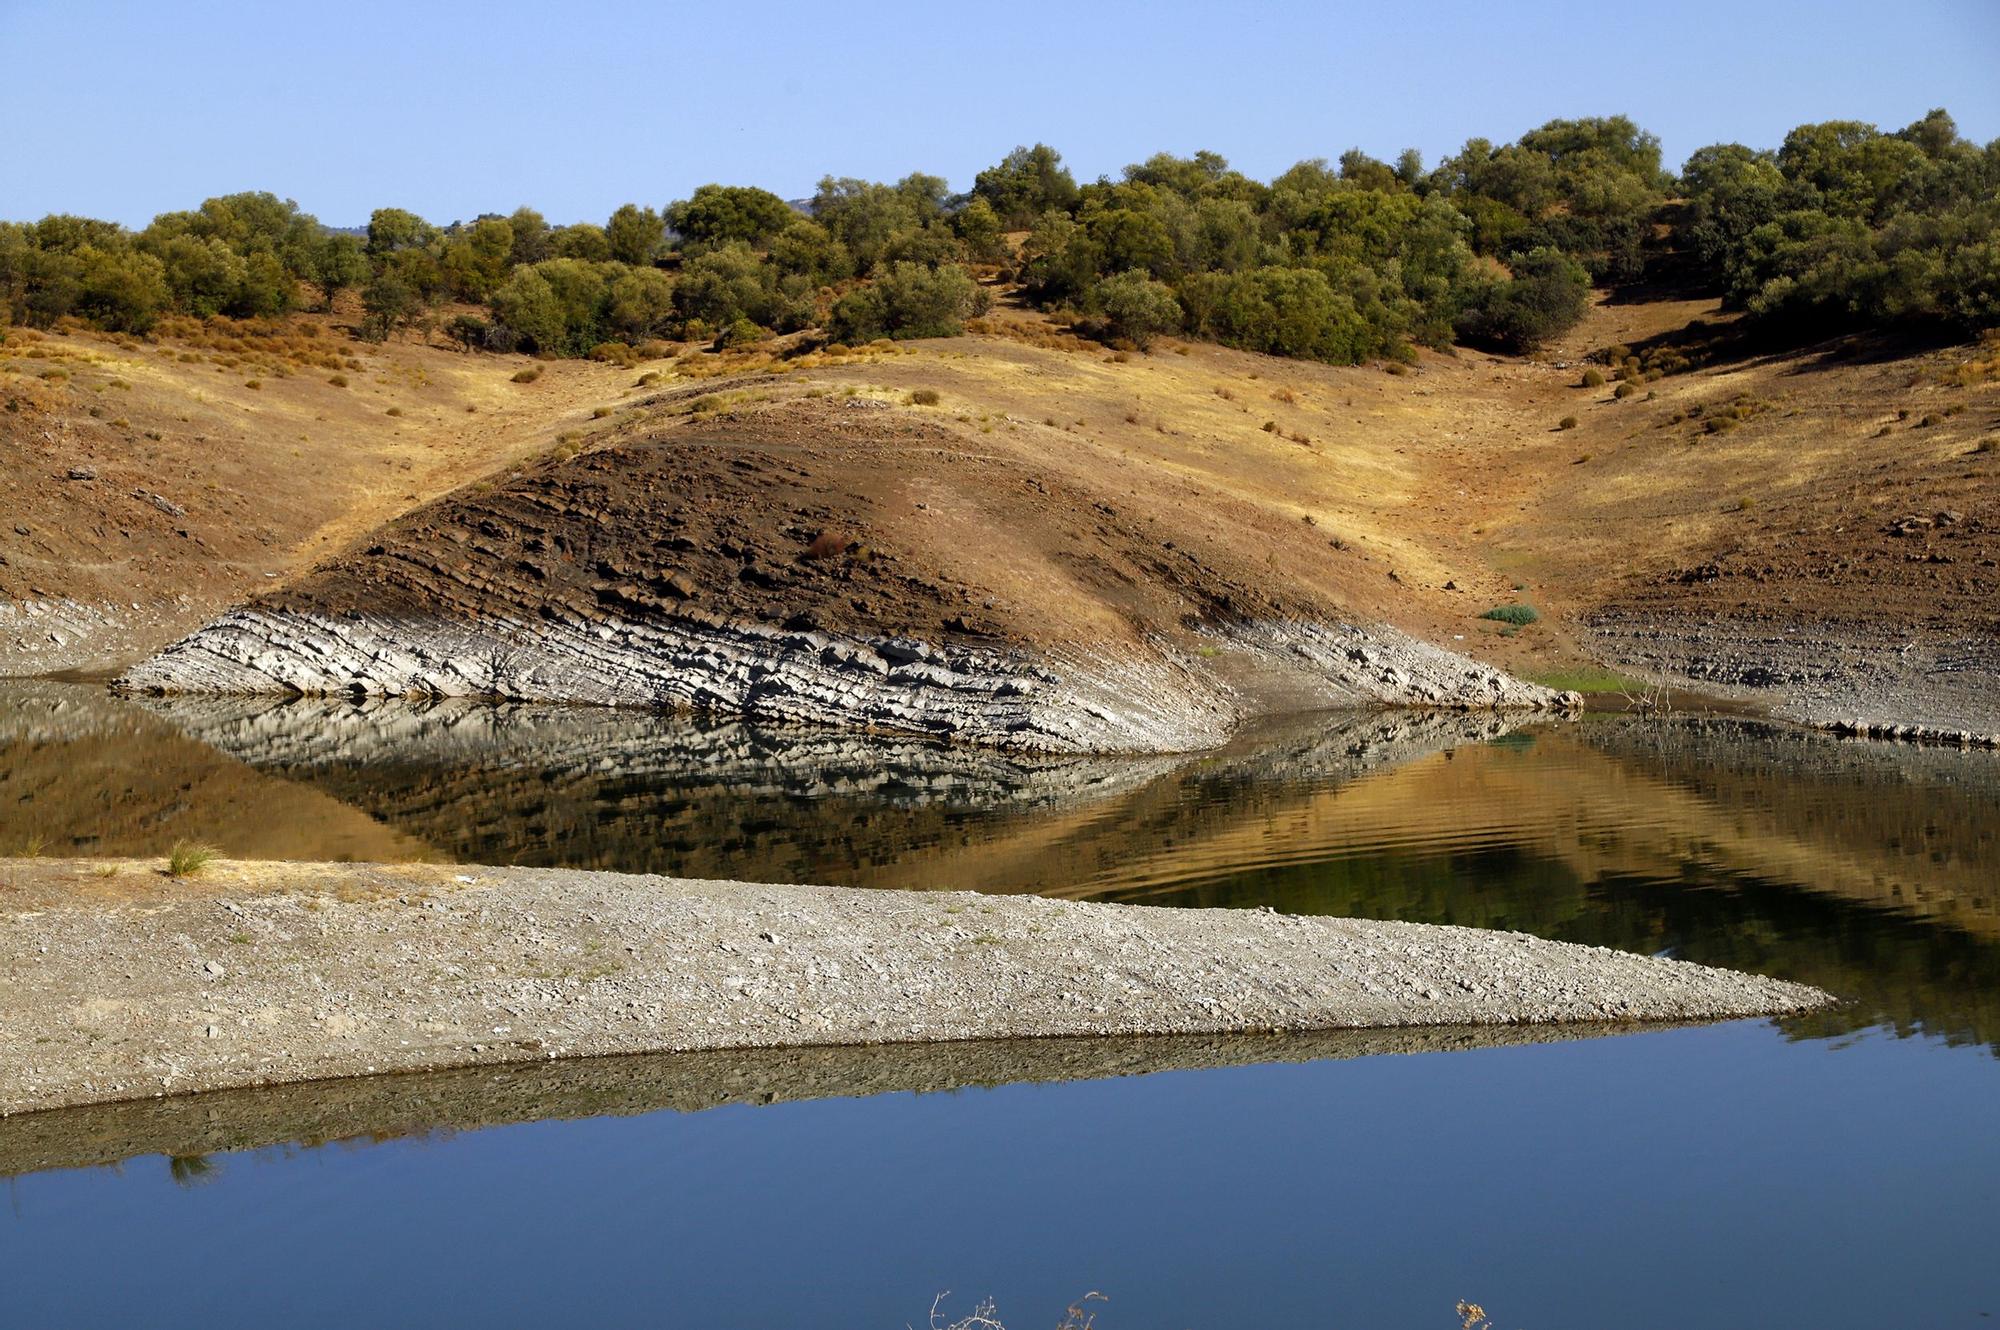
<point>188,858</point>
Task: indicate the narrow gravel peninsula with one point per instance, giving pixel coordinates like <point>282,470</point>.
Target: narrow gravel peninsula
<point>117,983</point>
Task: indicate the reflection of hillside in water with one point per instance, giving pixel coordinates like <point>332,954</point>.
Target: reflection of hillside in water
<point>1867,869</point>
<point>642,792</point>
<point>84,773</point>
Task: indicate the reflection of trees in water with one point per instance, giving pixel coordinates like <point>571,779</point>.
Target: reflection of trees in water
<point>1907,973</point>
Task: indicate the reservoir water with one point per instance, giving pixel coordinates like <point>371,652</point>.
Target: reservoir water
<point>1840,1170</point>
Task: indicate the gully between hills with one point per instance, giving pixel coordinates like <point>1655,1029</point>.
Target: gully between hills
<point>845,562</point>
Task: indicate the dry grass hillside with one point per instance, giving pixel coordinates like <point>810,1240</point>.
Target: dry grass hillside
<point>162,480</point>
<point>1019,483</point>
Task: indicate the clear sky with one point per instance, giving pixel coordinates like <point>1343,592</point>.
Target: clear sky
<point>123,110</point>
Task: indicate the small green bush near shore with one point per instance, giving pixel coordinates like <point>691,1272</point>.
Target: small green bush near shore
<point>1518,615</point>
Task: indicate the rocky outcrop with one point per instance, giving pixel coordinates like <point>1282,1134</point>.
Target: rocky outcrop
<point>1070,701</point>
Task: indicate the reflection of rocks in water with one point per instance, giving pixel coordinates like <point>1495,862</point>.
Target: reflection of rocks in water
<point>82,772</point>
<point>303,736</point>
<point>638,791</point>
<point>390,1107</point>
<point>1341,745</point>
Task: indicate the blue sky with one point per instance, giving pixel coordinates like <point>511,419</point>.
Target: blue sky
<point>123,110</point>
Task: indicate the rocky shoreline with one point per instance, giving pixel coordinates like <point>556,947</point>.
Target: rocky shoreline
<point>1155,699</point>
<point>1912,686</point>
<point>117,983</point>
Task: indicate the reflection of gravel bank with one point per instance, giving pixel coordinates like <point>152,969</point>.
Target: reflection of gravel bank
<point>468,1098</point>
<point>269,973</point>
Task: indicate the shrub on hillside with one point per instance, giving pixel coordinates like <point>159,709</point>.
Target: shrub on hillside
<point>1544,296</point>
<point>908,300</point>
<point>1136,308</point>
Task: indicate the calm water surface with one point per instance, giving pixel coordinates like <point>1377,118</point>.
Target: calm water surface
<point>1837,1171</point>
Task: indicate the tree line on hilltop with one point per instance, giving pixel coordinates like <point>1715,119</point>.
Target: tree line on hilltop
<point>1843,226</point>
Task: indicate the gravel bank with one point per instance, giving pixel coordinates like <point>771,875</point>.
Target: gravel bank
<point>129,986</point>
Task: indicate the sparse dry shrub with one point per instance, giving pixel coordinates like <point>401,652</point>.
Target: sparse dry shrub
<point>1593,378</point>
<point>826,545</point>
<point>924,397</point>
<point>188,858</point>
<point>338,380</point>
<point>528,375</point>
<point>1567,422</point>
